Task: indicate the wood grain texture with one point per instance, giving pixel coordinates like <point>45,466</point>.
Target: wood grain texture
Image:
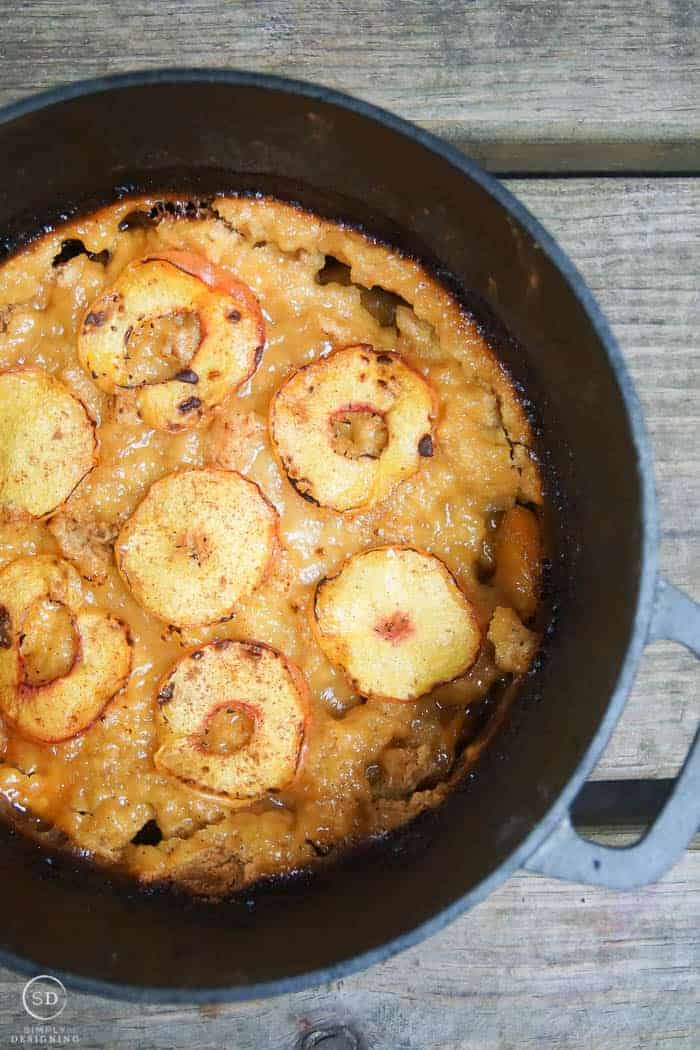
<point>540,964</point>
<point>540,86</point>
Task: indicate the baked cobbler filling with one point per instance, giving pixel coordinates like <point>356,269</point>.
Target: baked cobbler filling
<point>270,540</point>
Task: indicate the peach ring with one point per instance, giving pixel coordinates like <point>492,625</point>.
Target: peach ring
<point>170,284</point>
<point>221,681</point>
<point>314,414</point>
<point>395,621</point>
<point>199,541</point>
<point>68,704</point>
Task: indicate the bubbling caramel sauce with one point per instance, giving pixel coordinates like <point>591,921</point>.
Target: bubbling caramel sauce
<point>368,766</point>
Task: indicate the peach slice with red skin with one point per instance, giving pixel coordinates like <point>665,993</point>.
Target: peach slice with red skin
<point>198,542</point>
<point>233,677</point>
<point>394,404</point>
<point>47,442</point>
<point>396,622</point>
<point>518,555</point>
<point>64,706</point>
<point>172,284</point>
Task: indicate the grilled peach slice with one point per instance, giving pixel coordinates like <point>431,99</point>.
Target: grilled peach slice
<point>54,683</point>
<point>518,556</point>
<point>395,621</point>
<point>175,285</point>
<point>349,427</point>
<point>47,442</point>
<point>198,542</point>
<point>232,721</point>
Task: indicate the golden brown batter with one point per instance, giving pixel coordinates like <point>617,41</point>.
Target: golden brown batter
<point>435,459</point>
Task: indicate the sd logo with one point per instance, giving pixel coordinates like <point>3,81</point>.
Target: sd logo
<point>44,997</point>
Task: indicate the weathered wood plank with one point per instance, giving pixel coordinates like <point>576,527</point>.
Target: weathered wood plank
<point>538,964</point>
<point>576,84</point>
<point>637,244</point>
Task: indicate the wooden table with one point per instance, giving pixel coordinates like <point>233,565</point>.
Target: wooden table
<point>591,111</point>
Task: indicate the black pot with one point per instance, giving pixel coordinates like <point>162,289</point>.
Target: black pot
<point>206,131</point>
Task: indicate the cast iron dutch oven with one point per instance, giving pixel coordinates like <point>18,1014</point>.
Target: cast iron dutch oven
<point>203,132</point>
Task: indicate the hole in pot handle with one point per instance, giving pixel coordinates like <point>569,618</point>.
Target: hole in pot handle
<point>567,855</point>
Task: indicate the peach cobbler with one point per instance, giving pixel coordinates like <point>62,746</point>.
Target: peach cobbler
<point>270,539</point>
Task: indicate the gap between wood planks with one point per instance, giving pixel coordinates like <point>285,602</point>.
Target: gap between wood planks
<point>617,812</point>
<point>570,159</point>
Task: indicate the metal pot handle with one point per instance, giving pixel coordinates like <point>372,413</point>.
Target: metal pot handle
<point>567,855</point>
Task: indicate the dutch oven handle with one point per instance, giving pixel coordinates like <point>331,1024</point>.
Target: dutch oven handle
<point>567,855</point>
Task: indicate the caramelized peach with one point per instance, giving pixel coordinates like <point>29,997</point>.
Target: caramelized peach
<point>78,671</point>
<point>198,542</point>
<point>176,285</point>
<point>349,427</point>
<point>395,621</point>
<point>518,556</point>
<point>232,718</point>
<point>47,442</point>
